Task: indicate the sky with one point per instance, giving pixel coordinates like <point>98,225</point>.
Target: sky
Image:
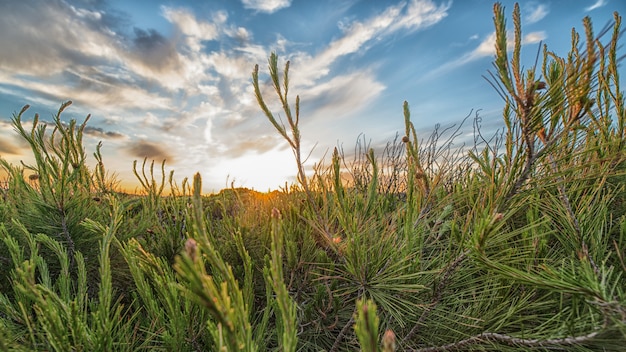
<point>171,80</point>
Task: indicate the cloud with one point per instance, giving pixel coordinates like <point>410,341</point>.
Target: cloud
<point>101,133</point>
<point>486,48</point>
<point>534,37</point>
<point>194,32</point>
<point>342,96</point>
<point>267,6</point>
<point>83,56</point>
<point>63,38</point>
<point>145,149</point>
<point>230,65</point>
<point>247,143</point>
<point>156,51</point>
<point>596,5</point>
<point>7,147</point>
<point>403,17</point>
<point>79,56</point>
<point>535,13</point>
<point>91,92</point>
<point>420,14</point>
<point>100,66</point>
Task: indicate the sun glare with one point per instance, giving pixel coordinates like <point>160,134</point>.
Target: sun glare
<point>261,172</point>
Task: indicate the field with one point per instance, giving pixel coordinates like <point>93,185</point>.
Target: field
<point>515,243</point>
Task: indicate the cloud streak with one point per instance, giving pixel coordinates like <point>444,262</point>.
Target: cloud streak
<point>146,149</point>
<point>7,147</point>
<point>486,48</point>
<point>266,6</point>
<point>596,5</point>
<point>98,132</point>
<point>536,12</point>
<point>407,17</point>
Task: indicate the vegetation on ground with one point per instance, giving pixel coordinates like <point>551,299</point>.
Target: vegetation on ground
<point>515,243</point>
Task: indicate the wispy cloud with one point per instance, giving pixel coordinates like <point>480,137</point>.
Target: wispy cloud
<point>535,12</point>
<point>7,147</point>
<point>146,149</point>
<point>595,5</point>
<point>120,72</point>
<point>98,132</point>
<point>408,17</point>
<point>486,48</point>
<point>193,30</point>
<point>267,6</point>
<point>83,58</point>
<point>45,52</point>
<point>342,96</point>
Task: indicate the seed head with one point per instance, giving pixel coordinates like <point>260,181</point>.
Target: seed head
<point>389,341</point>
<point>191,247</point>
<point>26,107</point>
<point>276,213</point>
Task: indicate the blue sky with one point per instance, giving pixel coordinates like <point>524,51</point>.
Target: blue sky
<point>172,79</point>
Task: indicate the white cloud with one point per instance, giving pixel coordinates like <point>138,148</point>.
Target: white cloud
<point>230,66</point>
<point>93,15</point>
<point>488,46</point>
<point>534,37</point>
<point>484,49</point>
<point>46,52</point>
<point>536,13</point>
<point>342,95</point>
<point>421,14</point>
<point>418,14</point>
<point>195,31</point>
<point>595,5</point>
<point>178,63</point>
<point>94,56</point>
<point>267,6</point>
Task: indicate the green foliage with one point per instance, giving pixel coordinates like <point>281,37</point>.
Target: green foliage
<point>273,271</point>
<point>56,313</point>
<point>218,292</point>
<point>60,191</point>
<point>366,326</point>
<point>516,243</point>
